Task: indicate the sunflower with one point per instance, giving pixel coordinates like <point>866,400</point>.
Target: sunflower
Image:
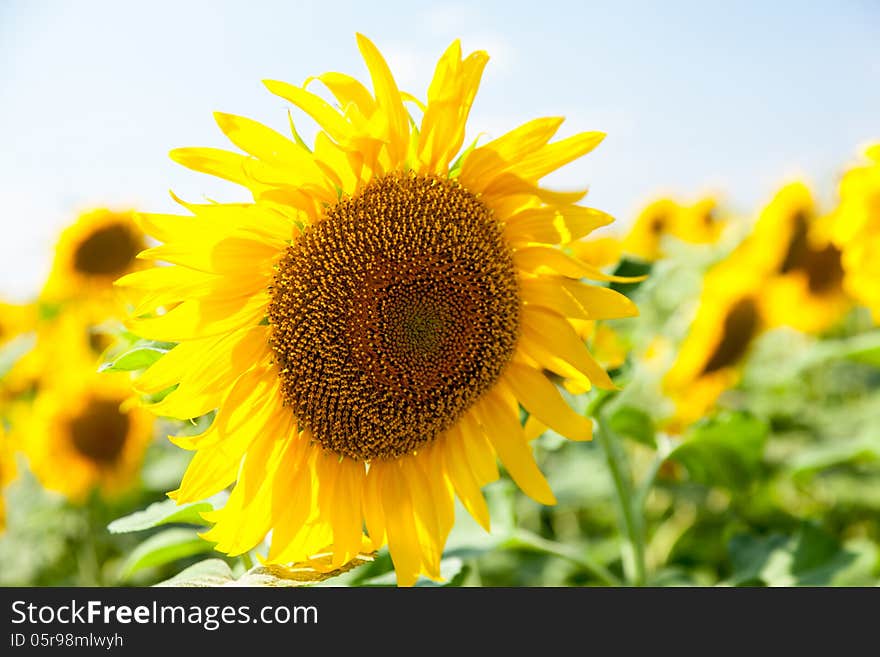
<point>7,471</point>
<point>368,328</point>
<point>601,251</point>
<point>654,222</point>
<point>856,230</point>
<point>15,320</point>
<point>699,223</point>
<point>792,244</point>
<point>99,247</point>
<point>65,344</point>
<point>80,435</point>
<point>727,321</point>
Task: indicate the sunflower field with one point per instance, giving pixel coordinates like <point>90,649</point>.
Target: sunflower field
<point>407,359</point>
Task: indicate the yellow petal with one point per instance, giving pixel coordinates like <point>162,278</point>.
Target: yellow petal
<point>553,156</point>
<point>541,398</point>
<point>506,435</point>
<point>487,161</point>
<point>388,97</point>
<point>533,258</point>
<point>463,479</point>
<point>215,162</point>
<point>347,90</point>
<point>322,112</point>
<point>544,332</point>
<point>202,318</point>
<point>554,225</point>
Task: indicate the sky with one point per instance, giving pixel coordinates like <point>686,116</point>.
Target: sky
<point>725,98</point>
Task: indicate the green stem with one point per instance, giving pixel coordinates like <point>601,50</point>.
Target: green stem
<point>630,514</point>
<point>90,563</point>
<point>664,447</point>
<point>247,561</point>
<point>526,539</point>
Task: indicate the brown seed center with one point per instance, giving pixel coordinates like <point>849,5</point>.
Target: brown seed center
<point>109,250</point>
<point>740,326</point>
<point>392,314</point>
<point>99,432</point>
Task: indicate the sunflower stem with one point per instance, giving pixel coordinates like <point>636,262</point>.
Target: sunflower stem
<point>630,506</point>
<point>246,561</point>
<point>526,539</point>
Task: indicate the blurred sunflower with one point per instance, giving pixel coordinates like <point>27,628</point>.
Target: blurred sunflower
<point>856,230</point>
<point>99,247</point>
<point>7,471</point>
<point>65,344</point>
<point>792,244</point>
<point>699,223</point>
<point>727,321</point>
<point>695,224</point>
<point>598,251</point>
<point>16,319</point>
<point>368,328</point>
<point>654,222</point>
<point>80,435</point>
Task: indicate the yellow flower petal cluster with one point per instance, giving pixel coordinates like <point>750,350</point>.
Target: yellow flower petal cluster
<point>370,326</point>
<point>856,230</point>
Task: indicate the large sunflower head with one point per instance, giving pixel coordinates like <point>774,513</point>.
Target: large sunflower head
<point>369,327</point>
<point>856,230</point>
<point>727,321</point>
<point>99,247</point>
<point>81,436</point>
<point>792,244</point>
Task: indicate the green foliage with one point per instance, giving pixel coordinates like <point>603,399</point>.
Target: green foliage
<point>138,358</point>
<point>725,451</point>
<point>809,557</point>
<point>633,423</point>
<point>161,513</point>
<point>162,548</point>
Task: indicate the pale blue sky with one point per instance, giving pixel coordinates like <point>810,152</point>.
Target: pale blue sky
<point>734,97</point>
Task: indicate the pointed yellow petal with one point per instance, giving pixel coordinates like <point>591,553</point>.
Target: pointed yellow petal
<point>487,161</point>
<point>554,225</point>
<point>388,98</point>
<point>501,425</point>
<point>215,162</point>
<point>533,258</point>
<point>463,480</point>
<point>322,112</point>
<point>450,97</point>
<point>347,90</point>
<point>544,332</point>
<point>553,156</point>
<point>541,398</point>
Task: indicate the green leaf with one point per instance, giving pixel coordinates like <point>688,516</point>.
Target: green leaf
<point>725,451</point>
<point>629,267</point>
<point>633,423</point>
<point>210,572</point>
<point>138,358</point>
<point>810,557</point>
<point>161,513</point>
<point>824,456</point>
<point>164,547</point>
